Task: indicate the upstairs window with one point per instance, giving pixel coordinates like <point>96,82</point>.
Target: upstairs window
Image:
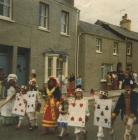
<point>115,48</point>
<point>98,45</point>
<point>129,49</point>
<point>64,22</point>
<point>5,8</point>
<point>44,15</point>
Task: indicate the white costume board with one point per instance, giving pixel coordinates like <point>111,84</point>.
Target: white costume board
<point>31,101</point>
<point>77,112</point>
<point>102,114</point>
<point>19,105</point>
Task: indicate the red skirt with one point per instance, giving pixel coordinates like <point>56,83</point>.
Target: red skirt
<point>50,116</point>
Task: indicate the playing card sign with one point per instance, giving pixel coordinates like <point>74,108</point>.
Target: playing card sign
<point>102,114</point>
<point>77,111</point>
<point>19,105</point>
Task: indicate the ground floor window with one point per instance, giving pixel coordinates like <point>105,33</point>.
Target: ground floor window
<point>56,65</point>
<point>105,68</point>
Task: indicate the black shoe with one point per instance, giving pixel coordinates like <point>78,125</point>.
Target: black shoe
<point>35,127</point>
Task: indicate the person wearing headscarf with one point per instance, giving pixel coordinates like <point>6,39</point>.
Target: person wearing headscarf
<point>7,105</point>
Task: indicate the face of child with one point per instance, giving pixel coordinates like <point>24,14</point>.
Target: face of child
<point>23,91</point>
<point>78,95</point>
<point>128,89</point>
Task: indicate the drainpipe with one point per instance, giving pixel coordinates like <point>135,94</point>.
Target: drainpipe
<point>76,48</point>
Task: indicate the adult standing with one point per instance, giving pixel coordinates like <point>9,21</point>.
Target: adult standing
<point>128,104</point>
<point>8,103</point>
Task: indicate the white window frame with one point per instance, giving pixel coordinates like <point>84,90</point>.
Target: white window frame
<point>45,24</point>
<point>115,48</point>
<point>64,23</point>
<point>4,17</point>
<point>54,66</point>
<point>98,45</point>
<point>104,72</point>
<point>129,49</point>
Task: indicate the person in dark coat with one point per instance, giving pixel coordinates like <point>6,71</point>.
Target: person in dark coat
<point>128,105</point>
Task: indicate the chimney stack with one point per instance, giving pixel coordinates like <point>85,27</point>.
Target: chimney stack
<point>125,23</point>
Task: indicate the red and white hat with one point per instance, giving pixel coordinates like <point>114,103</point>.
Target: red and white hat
<point>78,90</point>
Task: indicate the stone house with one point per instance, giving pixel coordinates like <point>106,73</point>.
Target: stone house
<point>102,46</point>
<point>39,35</point>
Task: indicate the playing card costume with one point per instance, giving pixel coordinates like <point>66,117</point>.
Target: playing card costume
<point>52,99</point>
<point>31,102</point>
<point>78,112</point>
<point>128,105</point>
<point>102,113</point>
<point>19,108</point>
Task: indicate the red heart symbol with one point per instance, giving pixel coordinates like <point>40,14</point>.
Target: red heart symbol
<point>72,118</point>
<point>81,105</point>
<point>80,119</point>
<point>73,104</point>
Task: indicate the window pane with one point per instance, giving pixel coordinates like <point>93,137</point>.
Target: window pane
<point>64,22</point>
<point>50,64</point>
<point>5,8</point>
<point>43,15</point>
<point>1,9</point>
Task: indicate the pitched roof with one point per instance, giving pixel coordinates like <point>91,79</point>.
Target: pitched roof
<point>119,30</point>
<point>94,29</point>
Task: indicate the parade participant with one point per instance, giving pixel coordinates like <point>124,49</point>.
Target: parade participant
<point>19,108</point>
<point>78,100</point>
<point>71,85</point>
<point>7,105</point>
<point>52,100</point>
<point>63,118</point>
<point>128,104</point>
<point>32,102</point>
<point>100,134</point>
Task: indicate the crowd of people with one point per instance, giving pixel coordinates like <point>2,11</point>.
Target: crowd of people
<point>26,100</point>
<point>115,79</point>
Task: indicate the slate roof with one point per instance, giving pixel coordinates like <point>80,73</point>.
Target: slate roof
<point>119,30</point>
<point>94,29</point>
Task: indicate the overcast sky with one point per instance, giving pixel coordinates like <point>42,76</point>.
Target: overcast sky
<point>108,10</point>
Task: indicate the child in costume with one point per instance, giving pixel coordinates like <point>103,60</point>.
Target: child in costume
<point>100,133</point>
<point>63,118</point>
<point>78,100</point>
<point>19,108</point>
<point>32,101</point>
<point>51,108</point>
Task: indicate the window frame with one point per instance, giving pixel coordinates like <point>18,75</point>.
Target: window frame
<point>64,25</point>
<point>129,49</point>
<point>103,78</point>
<point>45,24</point>
<point>99,44</point>
<point>55,57</point>
<point>9,17</point>
<point>115,48</point>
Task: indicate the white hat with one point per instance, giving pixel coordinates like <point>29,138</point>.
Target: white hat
<point>78,90</point>
<point>12,77</point>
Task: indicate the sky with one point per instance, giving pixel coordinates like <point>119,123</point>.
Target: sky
<point>108,10</point>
